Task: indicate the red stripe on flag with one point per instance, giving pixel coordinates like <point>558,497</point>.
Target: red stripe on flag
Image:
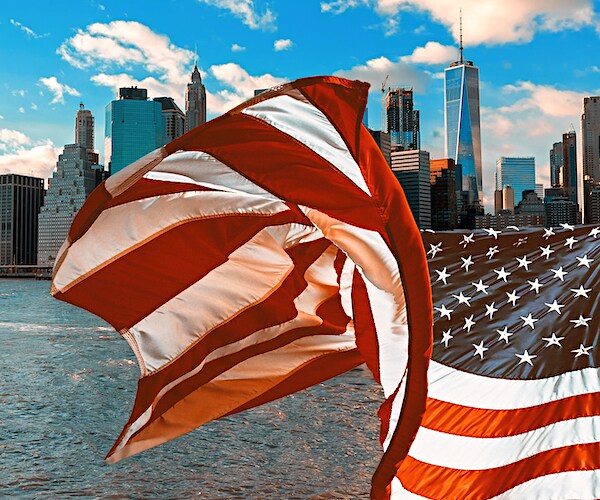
<point>476,422</point>
<point>277,308</point>
<point>132,286</point>
<point>442,482</point>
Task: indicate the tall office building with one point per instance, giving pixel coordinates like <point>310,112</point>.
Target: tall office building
<point>508,199</point>
<point>174,118</point>
<point>412,170</point>
<point>556,163</point>
<point>134,127</point>
<point>73,181</point>
<point>84,128</point>
<point>569,177</point>
<point>195,101</point>
<point>461,123</point>
<point>21,198</point>
<point>590,143</point>
<point>383,141</point>
<point>442,175</point>
<point>517,172</point>
<point>402,119</point>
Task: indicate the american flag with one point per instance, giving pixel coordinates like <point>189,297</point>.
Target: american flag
<point>513,407</point>
<point>259,254</point>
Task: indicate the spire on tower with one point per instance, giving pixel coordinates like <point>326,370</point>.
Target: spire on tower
<point>460,47</point>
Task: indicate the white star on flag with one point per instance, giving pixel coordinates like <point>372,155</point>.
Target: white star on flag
<point>467,263</point>
<point>584,261</point>
<point>569,242</point>
<point>479,349</point>
<point>526,357</point>
<point>443,276</point>
<point>502,274</point>
<point>548,232</point>
<point>462,299</point>
<point>581,292</point>
<point>566,226</point>
<point>446,337</point>
<point>467,239</point>
<point>434,249</point>
<point>559,273</point>
<point>481,287</point>
<point>546,251</point>
<point>554,340</point>
<point>504,334</point>
<point>469,323</point>
<point>581,321</point>
<point>492,232</point>
<point>582,351</point>
<point>555,306</point>
<point>595,232</point>
<point>490,309</point>
<point>513,297</point>
<point>528,320</point>
<point>443,311</point>
<point>492,251</point>
<point>523,262</point>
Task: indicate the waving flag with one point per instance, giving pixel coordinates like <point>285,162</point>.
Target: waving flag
<point>513,408</point>
<point>257,255</point>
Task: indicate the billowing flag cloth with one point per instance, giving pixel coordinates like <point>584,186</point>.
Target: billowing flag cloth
<point>513,407</point>
<point>263,252</point>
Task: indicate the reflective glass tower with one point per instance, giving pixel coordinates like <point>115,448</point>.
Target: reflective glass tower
<point>461,121</point>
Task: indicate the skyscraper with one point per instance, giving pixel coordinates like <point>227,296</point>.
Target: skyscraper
<point>517,172</point>
<point>195,101</point>
<point>412,170</point>
<point>556,163</point>
<point>402,119</point>
<point>461,123</point>
<point>174,118</point>
<point>569,181</point>
<point>84,128</point>
<point>134,127</point>
<point>590,142</point>
<point>20,200</point>
<point>444,214</point>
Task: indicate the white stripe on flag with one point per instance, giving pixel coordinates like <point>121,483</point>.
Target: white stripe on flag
<point>310,126</point>
<point>456,386</point>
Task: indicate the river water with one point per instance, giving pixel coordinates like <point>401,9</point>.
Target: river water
<point>67,384</point>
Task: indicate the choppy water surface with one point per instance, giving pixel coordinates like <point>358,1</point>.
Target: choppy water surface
<point>67,383</point>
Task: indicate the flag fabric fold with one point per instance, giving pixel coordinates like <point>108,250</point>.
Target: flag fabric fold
<point>261,253</point>
<point>513,408</point>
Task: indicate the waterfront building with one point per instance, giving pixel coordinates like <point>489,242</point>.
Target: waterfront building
<point>402,119</point>
<point>462,124</point>
<point>84,128</point>
<point>502,220</point>
<point>556,164</point>
<point>73,181</point>
<point>412,170</point>
<point>21,198</point>
<point>195,101</point>
<point>174,118</point>
<point>383,141</point>
<point>444,216</point>
<point>517,172</point>
<point>134,127</point>
<point>508,199</point>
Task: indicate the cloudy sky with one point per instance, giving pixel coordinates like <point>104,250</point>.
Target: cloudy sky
<point>537,59</point>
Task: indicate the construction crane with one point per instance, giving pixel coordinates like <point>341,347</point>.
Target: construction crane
<point>383,120</point>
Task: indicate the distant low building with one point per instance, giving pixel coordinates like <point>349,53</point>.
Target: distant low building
<point>444,215</point>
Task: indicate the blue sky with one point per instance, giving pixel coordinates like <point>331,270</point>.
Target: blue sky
<point>537,60</point>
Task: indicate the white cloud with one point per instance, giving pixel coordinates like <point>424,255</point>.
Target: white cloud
<point>13,138</point>
<point>489,21</point>
<point>58,89</point>
<point>28,31</point>
<point>340,6</point>
<point>237,48</point>
<point>21,109</point>
<point>1,117</point>
<point>38,161</point>
<point>374,71</point>
<point>432,53</point>
<point>241,83</point>
<point>246,11</point>
<point>127,44</point>
<point>283,44</point>
<point>18,92</point>
<point>34,106</point>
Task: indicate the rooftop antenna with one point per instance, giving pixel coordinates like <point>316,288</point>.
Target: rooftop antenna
<point>460,48</point>
<point>195,55</point>
<point>383,117</point>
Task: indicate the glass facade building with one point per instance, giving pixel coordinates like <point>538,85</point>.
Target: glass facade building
<point>462,125</point>
<point>134,127</point>
<point>402,119</point>
<point>516,172</point>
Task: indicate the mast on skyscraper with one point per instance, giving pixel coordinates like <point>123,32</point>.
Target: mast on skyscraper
<point>460,47</point>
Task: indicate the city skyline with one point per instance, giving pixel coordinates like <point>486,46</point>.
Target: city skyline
<point>534,65</point>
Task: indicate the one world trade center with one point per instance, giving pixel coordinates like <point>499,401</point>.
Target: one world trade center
<point>461,117</point>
